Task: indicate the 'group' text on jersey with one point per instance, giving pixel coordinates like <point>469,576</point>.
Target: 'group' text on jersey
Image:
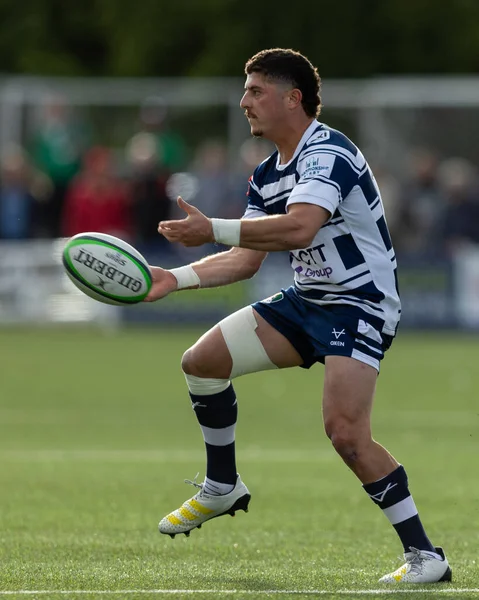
<point>351,260</point>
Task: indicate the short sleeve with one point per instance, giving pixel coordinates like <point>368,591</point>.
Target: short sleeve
<point>325,178</point>
<point>314,185</point>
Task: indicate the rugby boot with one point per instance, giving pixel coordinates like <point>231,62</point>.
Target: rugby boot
<point>202,507</point>
<point>420,567</point>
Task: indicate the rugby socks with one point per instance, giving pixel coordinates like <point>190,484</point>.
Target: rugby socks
<point>217,415</point>
<point>391,494</point>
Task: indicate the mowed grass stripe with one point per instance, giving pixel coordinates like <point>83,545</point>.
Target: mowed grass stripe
<point>69,417</point>
<point>163,456</point>
<point>373,592</point>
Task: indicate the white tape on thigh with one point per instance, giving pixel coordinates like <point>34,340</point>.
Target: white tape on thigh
<point>245,347</point>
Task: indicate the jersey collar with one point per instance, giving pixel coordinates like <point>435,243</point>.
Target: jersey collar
<point>306,135</point>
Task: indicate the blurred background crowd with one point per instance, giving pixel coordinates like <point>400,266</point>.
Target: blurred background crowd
<point>105,119</point>
<point>63,180</point>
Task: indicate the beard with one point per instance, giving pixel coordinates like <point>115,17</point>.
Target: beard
<point>256,131</point>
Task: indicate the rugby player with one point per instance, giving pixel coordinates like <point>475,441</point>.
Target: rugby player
<point>316,198</point>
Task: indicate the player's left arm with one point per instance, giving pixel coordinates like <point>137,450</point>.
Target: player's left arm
<point>296,229</point>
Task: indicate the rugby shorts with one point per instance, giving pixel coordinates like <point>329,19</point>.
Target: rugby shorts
<point>329,330</point>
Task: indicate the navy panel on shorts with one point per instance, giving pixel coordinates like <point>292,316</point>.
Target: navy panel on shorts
<point>320,331</point>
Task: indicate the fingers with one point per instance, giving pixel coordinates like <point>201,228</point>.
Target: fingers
<point>171,236</point>
<point>169,229</point>
<point>167,225</point>
<point>171,225</point>
<point>173,231</point>
<point>188,208</point>
<point>182,204</point>
<point>189,231</point>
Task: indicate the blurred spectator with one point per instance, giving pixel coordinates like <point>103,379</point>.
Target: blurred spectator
<point>97,200</point>
<point>422,205</point>
<point>390,189</point>
<point>215,195</point>
<point>22,188</point>
<point>57,150</point>
<point>150,203</point>
<point>171,149</point>
<point>252,152</point>
<point>460,222</point>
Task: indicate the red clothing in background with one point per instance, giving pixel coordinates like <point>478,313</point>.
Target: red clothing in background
<point>104,210</point>
<point>96,200</point>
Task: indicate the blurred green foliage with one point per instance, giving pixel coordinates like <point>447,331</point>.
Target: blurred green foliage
<point>351,38</point>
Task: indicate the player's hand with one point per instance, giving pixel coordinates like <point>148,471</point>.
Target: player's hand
<point>164,283</point>
<point>194,230</point>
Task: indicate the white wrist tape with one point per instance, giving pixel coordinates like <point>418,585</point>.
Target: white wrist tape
<point>227,231</point>
<point>186,277</point>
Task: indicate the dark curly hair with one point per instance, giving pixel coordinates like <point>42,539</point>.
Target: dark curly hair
<point>290,66</point>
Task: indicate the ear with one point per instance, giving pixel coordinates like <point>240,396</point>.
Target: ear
<point>295,97</point>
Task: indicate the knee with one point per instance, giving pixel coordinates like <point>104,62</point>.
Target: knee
<point>190,364</point>
<point>199,377</point>
<point>196,362</point>
<point>346,438</point>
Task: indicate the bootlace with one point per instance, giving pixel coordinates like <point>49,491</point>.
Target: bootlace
<point>415,560</point>
<point>194,482</point>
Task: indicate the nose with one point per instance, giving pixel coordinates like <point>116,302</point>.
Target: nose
<point>244,101</point>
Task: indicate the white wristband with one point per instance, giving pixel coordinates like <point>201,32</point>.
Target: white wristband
<point>186,277</point>
<point>227,231</point>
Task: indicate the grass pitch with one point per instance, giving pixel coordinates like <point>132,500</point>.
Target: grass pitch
<point>97,435</point>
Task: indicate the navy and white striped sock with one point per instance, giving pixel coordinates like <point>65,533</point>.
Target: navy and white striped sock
<point>217,415</point>
<point>391,494</point>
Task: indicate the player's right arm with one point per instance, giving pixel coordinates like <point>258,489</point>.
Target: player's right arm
<point>215,270</point>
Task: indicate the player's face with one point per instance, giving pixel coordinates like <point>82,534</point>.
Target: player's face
<point>264,104</point>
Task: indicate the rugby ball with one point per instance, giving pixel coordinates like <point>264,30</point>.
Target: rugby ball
<point>106,268</point>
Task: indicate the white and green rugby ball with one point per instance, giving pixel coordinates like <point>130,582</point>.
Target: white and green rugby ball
<point>107,269</point>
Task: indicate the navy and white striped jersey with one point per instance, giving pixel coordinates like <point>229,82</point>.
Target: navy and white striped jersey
<point>351,259</point>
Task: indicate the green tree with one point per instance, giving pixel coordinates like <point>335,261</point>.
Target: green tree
<point>350,38</point>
